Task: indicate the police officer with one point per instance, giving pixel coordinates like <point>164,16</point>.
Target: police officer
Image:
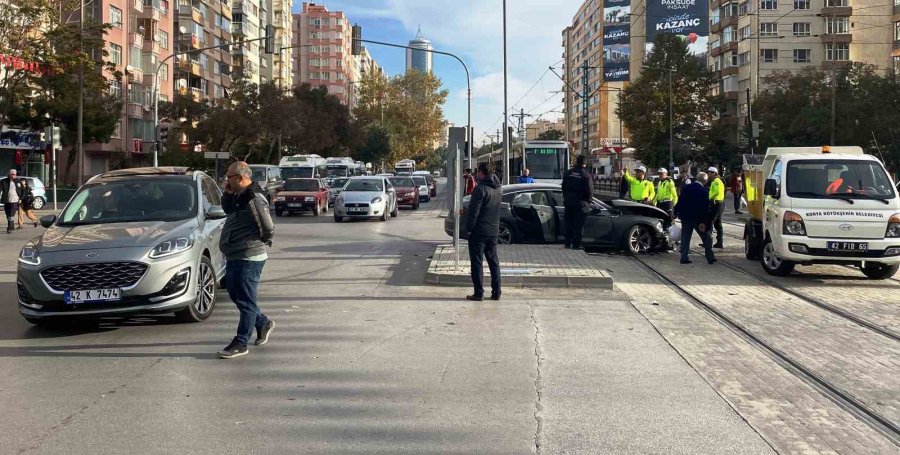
<point>666,195</point>
<point>577,186</point>
<point>717,203</point>
<point>641,189</point>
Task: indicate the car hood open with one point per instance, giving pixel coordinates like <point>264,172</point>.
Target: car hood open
<point>112,235</point>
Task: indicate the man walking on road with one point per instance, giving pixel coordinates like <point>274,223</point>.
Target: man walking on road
<point>248,231</point>
<point>11,196</point>
<point>666,196</point>
<point>483,223</point>
<point>717,201</point>
<point>578,192</point>
<point>695,213</point>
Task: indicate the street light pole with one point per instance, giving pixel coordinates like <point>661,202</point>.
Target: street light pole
<point>506,105</point>
<point>80,134</point>
<point>671,124</point>
<point>456,192</point>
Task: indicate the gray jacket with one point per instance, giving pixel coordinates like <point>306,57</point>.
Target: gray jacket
<point>248,228</point>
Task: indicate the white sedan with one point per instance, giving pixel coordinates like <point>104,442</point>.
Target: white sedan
<point>366,197</point>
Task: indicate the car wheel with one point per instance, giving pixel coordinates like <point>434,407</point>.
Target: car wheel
<point>205,301</point>
<point>396,211</point>
<point>338,219</point>
<point>771,263</point>
<point>384,216</point>
<point>317,209</point>
<point>39,203</point>
<point>638,240</point>
<point>279,212</point>
<point>875,271</point>
<point>506,235</point>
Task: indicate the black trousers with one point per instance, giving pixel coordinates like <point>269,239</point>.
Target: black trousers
<point>737,202</point>
<point>575,218</point>
<point>12,210</point>
<point>481,248</point>
<point>718,209</point>
<point>666,206</point>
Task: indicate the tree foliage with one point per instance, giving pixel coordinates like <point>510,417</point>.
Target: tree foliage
<point>551,135</point>
<point>644,105</point>
<point>795,110</point>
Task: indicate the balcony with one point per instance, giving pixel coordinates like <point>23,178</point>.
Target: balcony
<point>190,39</point>
<point>728,71</point>
<point>725,48</point>
<point>136,40</point>
<point>837,11</point>
<point>134,110</point>
<point>839,38</point>
<point>196,94</point>
<point>190,66</point>
<point>238,29</point>
<point>137,5</point>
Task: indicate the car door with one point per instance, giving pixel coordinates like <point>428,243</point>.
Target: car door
<point>211,230</point>
<point>322,197</point>
<point>534,216</point>
<point>598,226</point>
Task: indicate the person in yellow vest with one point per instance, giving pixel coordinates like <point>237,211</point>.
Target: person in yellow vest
<point>666,197</point>
<point>640,189</point>
<point>717,203</point>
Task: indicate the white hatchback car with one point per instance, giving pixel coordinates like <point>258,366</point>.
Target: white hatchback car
<point>366,197</point>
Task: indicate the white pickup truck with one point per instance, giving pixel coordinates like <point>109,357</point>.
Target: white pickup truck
<point>821,205</point>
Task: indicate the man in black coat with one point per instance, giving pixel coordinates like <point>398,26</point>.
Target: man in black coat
<point>578,193</point>
<point>483,223</point>
<point>11,196</point>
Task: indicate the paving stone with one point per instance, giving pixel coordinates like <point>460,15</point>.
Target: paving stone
<point>790,414</point>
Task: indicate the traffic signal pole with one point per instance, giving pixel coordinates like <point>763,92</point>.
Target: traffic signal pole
<point>156,143</point>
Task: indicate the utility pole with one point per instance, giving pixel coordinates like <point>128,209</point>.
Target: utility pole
<point>505,104</point>
<point>833,75</point>
<point>80,133</point>
<point>585,104</point>
<point>521,116</point>
<point>671,124</point>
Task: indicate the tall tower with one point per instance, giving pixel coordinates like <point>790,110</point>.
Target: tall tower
<point>419,59</point>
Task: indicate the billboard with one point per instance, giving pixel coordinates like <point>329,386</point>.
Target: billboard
<point>616,40</point>
<point>689,19</point>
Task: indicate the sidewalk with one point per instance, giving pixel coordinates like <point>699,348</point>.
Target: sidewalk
<point>522,266</point>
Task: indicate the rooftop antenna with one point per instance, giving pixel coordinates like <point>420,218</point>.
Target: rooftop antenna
<point>419,33</point>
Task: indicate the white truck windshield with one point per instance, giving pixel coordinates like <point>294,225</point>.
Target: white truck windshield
<point>855,179</point>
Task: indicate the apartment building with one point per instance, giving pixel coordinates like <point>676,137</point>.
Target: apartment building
<point>367,64</point>
<point>247,25</point>
<point>751,39</point>
<point>323,54</point>
<point>140,37</point>
<point>282,59</point>
<point>204,75</point>
<point>583,45</point>
<point>540,126</point>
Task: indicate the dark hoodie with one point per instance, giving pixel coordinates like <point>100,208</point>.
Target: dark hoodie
<point>483,213</point>
<point>248,228</point>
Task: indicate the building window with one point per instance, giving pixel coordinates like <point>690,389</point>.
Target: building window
<point>713,44</point>
<point>729,84</point>
<point>727,35</point>
<point>115,89</point>
<point>115,54</point>
<point>839,52</point>
<point>768,4</point>
<point>897,64</point>
<point>801,4</point>
<point>802,56</point>
<point>115,16</point>
<point>216,68</point>
<point>204,60</point>
<point>833,3</point>
<point>744,8</point>
<point>714,17</point>
<point>744,58</point>
<point>837,25</point>
<point>164,72</point>
<point>745,32</point>
<point>897,30</point>
<point>768,55</point>
<point>801,29</point>
<point>162,39</point>
<point>768,29</point>
<point>734,58</point>
<point>729,9</point>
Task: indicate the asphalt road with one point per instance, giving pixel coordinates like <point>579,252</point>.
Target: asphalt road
<point>365,359</point>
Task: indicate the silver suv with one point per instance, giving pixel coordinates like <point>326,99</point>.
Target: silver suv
<point>134,240</point>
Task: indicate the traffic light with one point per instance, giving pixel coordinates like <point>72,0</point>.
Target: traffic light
<point>356,45</point>
<point>163,131</point>
<point>270,39</point>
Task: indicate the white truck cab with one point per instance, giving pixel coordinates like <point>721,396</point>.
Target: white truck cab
<point>822,205</point>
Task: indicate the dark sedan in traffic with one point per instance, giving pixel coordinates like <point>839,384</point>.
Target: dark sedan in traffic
<point>534,213</point>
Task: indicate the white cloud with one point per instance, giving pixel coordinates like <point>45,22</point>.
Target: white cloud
<point>474,30</point>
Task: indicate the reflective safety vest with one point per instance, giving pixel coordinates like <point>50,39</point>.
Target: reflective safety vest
<point>666,192</point>
<point>638,188</point>
<point>717,190</point>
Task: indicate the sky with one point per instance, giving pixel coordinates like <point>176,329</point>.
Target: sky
<point>473,30</point>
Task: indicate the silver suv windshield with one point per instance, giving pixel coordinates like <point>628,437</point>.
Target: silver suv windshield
<point>123,201</point>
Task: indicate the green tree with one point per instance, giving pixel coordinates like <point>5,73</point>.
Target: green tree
<point>19,39</point>
<point>377,147</point>
<point>644,105</point>
<point>551,135</point>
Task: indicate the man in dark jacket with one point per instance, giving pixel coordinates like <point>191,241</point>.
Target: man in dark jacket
<point>247,232</point>
<point>578,192</point>
<point>696,214</point>
<point>11,196</point>
<point>483,223</point>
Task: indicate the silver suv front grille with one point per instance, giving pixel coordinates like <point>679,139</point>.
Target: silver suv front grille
<point>94,275</point>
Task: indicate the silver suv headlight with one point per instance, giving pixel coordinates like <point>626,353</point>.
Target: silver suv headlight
<point>173,246</point>
<point>29,255</point>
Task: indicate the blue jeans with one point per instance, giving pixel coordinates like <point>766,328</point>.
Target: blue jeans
<point>242,282</point>
<point>687,231</point>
